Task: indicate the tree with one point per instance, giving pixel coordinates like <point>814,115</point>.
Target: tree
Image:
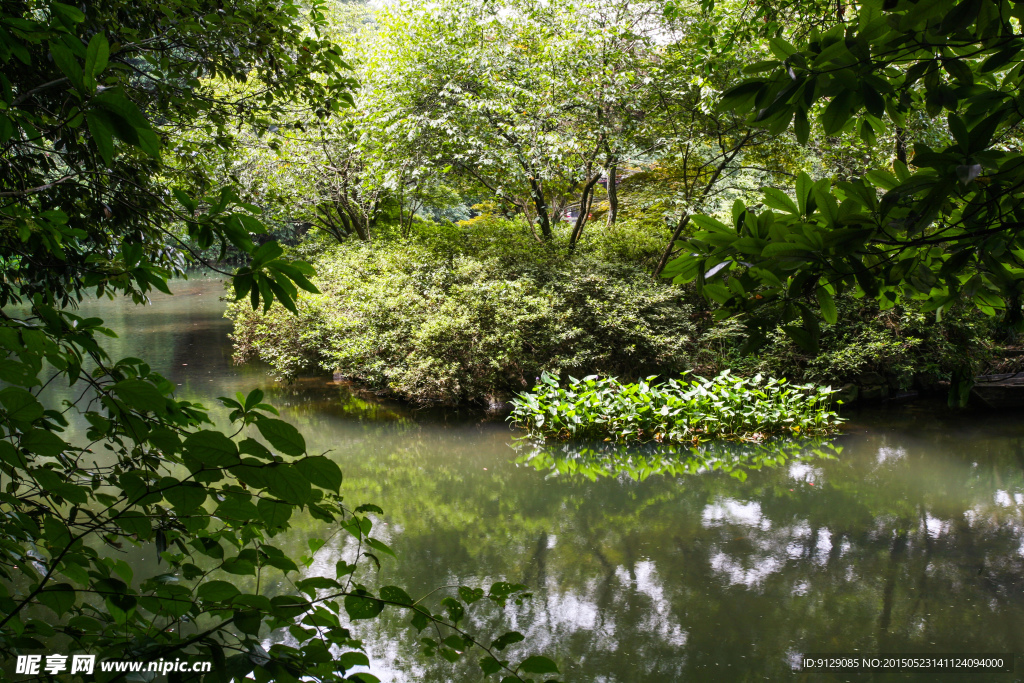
<point>939,227</point>
<point>91,101</point>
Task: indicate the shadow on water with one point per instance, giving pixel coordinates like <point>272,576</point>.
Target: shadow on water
<point>724,563</point>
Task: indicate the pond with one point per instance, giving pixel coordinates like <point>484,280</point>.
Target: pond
<point>909,538</point>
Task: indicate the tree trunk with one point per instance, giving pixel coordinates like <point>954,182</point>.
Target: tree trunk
<point>613,195</point>
<point>901,145</point>
<point>542,210</point>
<point>683,220</point>
<point>585,203</point>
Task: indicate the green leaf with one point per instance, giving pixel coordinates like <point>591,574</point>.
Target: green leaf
<point>21,405</point>
<point>96,56</point>
<point>135,522</point>
<point>267,252</point>
<point>274,513</point>
<point>282,436</point>
<point>211,448</point>
<point>780,201</point>
<point>827,305</point>
<point>538,665</point>
<point>320,471</point>
<point>288,484</point>
<point>42,442</point>
<point>470,595</point>
<point>140,395</point>
<point>361,605</point>
<point>59,597</point>
<point>67,63</point>
<point>490,665</point>
<point>217,591</point>
<point>455,609</point>
<point>503,641</point>
<point>184,496</point>
<point>837,114</point>
<point>395,594</point>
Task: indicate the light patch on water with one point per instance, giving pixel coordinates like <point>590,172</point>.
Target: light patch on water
<point>824,546</point>
<point>801,588</point>
<point>552,541</point>
<point>796,549</point>
<point>748,576</point>
<point>801,471</point>
<point>936,527</point>
<point>1006,499</point>
<point>972,515</point>
<point>660,619</point>
<point>732,511</point>
<point>890,454</point>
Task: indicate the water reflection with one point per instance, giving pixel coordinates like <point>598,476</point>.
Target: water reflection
<point>649,565</point>
<point>609,459</point>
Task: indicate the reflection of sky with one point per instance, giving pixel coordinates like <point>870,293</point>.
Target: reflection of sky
<point>731,511</point>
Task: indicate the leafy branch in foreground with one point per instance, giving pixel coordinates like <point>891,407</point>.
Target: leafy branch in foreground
<point>675,411</point>
<point>211,505</point>
<point>942,226</point>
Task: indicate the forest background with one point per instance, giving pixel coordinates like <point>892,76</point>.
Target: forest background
<point>505,192</point>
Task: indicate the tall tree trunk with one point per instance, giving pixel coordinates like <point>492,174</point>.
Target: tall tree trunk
<point>542,210</point>
<point>901,145</point>
<point>585,203</point>
<point>613,195</point>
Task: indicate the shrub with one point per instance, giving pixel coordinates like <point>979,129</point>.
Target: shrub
<point>902,344</point>
<point>674,411</point>
<point>470,313</point>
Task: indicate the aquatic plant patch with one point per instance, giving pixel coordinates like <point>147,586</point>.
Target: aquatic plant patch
<point>675,411</point>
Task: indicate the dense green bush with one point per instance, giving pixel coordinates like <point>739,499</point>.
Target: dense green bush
<point>902,344</point>
<point>470,313</point>
<point>674,411</point>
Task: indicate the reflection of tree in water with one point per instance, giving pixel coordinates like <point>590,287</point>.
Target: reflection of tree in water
<point>895,545</point>
<point>604,459</point>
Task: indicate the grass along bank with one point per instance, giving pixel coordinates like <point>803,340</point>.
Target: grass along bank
<point>675,411</point>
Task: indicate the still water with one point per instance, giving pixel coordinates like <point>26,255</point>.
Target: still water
<point>909,539</point>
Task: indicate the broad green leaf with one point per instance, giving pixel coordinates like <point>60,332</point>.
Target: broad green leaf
<point>140,395</point>
<point>538,665</point>
<point>217,591</point>
<point>827,305</point>
<point>21,405</point>
<point>320,471</point>
<point>288,484</point>
<point>135,522</point>
<point>282,436</point>
<point>184,496</point>
<point>59,597</point>
<point>274,513</point>
<point>361,605</point>
<point>395,594</point>
<point>211,448</point>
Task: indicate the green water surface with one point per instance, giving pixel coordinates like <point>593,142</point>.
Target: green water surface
<point>910,539</point>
